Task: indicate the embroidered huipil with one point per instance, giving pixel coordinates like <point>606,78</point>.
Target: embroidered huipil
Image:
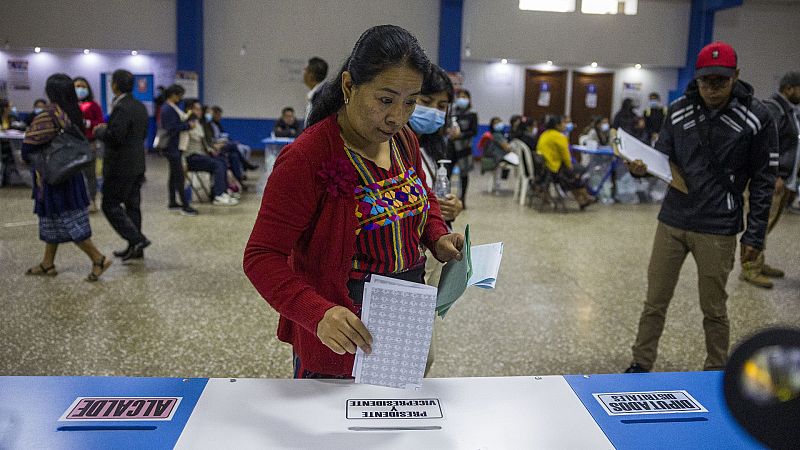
<point>391,208</point>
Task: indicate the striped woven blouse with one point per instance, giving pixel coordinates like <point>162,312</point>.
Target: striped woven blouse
<point>391,207</point>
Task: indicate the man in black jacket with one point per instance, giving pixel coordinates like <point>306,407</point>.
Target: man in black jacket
<point>721,138</point>
<point>123,165</point>
<point>783,106</point>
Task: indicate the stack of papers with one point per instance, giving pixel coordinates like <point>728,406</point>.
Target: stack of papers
<point>633,149</point>
<point>479,267</point>
<point>399,315</point>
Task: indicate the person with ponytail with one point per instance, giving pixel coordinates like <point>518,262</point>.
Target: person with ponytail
<point>346,200</point>
<point>62,208</point>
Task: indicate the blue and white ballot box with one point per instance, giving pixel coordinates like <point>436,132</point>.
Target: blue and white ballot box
<point>632,411</point>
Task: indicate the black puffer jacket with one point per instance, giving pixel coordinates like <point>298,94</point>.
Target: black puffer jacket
<point>718,154</point>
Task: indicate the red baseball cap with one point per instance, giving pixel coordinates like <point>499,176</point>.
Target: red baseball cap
<point>716,58</point>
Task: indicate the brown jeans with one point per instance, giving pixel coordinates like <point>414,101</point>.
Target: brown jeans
<point>779,202</point>
<point>714,255</point>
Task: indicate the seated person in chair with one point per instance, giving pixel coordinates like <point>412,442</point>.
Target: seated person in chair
<point>287,125</point>
<point>200,156</point>
<point>213,118</point>
<point>553,145</point>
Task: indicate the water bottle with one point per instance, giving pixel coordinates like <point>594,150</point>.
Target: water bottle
<point>441,186</point>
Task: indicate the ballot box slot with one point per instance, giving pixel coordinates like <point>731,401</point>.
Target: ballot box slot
<point>673,420</point>
<point>107,428</point>
<point>421,428</point>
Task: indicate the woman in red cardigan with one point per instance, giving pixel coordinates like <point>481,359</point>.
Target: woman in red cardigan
<point>92,117</point>
<point>346,200</point>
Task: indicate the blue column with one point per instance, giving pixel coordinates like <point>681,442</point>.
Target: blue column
<point>701,33</point>
<point>189,38</point>
<point>451,16</point>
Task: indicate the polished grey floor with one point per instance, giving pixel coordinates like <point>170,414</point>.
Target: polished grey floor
<point>568,297</point>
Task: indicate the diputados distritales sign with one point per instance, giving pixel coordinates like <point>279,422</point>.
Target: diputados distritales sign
<point>651,402</point>
<point>396,408</point>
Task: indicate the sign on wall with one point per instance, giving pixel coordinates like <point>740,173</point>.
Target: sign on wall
<point>190,81</point>
<point>544,95</point>
<point>591,96</point>
<point>18,76</point>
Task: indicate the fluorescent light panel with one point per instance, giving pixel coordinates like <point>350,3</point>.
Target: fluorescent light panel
<point>547,5</point>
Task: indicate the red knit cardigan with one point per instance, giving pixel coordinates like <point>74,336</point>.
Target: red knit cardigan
<point>300,252</point>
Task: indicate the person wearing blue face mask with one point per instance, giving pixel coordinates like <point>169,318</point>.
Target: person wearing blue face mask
<point>92,117</point>
<point>428,122</point>
<point>38,108</point>
<point>460,142</point>
<point>654,116</point>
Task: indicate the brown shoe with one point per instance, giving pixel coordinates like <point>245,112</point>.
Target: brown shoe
<point>771,272</point>
<point>751,272</point>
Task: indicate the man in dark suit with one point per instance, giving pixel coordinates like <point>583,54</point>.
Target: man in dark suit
<point>123,165</point>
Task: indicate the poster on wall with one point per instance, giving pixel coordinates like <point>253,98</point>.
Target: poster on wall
<point>291,70</point>
<point>632,91</point>
<point>544,95</point>
<point>18,74</point>
<point>190,81</point>
<point>591,96</point>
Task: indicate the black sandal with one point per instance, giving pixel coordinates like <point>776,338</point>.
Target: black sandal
<point>103,265</point>
<point>43,271</point>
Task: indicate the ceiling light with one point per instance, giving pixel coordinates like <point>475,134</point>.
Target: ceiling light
<point>86,51</point>
<point>637,66</point>
<point>503,61</point>
<point>549,63</point>
<point>134,53</point>
<point>594,65</point>
<point>37,49</point>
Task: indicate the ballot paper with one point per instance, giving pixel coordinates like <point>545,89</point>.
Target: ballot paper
<point>473,270</point>
<point>633,149</point>
<point>399,315</point>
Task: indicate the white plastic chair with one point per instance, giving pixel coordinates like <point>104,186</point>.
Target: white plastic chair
<point>524,172</point>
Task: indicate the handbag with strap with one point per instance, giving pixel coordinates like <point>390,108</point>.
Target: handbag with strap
<point>67,154</point>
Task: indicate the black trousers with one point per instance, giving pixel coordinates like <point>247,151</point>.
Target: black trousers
<point>175,187</point>
<point>121,200</point>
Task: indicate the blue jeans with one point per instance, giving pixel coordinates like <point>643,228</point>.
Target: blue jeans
<point>216,167</point>
<point>234,159</point>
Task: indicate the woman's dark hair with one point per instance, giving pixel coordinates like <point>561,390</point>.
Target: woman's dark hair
<point>188,104</point>
<point>494,121</point>
<point>90,97</point>
<point>60,89</point>
<point>124,80</point>
<point>378,49</point>
<point>318,68</point>
<point>174,89</point>
<point>437,81</point>
<point>551,121</point>
<point>469,96</point>
<point>39,100</point>
<point>627,106</point>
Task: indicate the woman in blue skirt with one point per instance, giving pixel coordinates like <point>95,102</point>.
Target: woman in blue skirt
<point>62,208</point>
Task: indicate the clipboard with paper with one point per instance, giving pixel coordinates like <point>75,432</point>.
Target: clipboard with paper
<point>478,267</point>
<point>658,164</point>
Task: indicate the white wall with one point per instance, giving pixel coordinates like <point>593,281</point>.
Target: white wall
<point>254,85</point>
<point>766,36</point>
<point>99,24</point>
<point>656,36</point>
<point>42,65</point>
<point>499,89</point>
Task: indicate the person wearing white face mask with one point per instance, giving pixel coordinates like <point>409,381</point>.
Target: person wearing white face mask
<point>92,117</point>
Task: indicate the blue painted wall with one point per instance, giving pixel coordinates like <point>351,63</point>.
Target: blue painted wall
<point>248,131</point>
<point>189,38</point>
<point>451,15</point>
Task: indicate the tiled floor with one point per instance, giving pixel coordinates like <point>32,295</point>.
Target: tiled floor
<point>568,297</point>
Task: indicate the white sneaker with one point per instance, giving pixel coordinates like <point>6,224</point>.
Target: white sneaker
<point>225,200</point>
<point>235,194</point>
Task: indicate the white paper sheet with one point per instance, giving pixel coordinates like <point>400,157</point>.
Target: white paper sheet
<point>657,162</point>
<point>399,315</point>
<point>485,265</point>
